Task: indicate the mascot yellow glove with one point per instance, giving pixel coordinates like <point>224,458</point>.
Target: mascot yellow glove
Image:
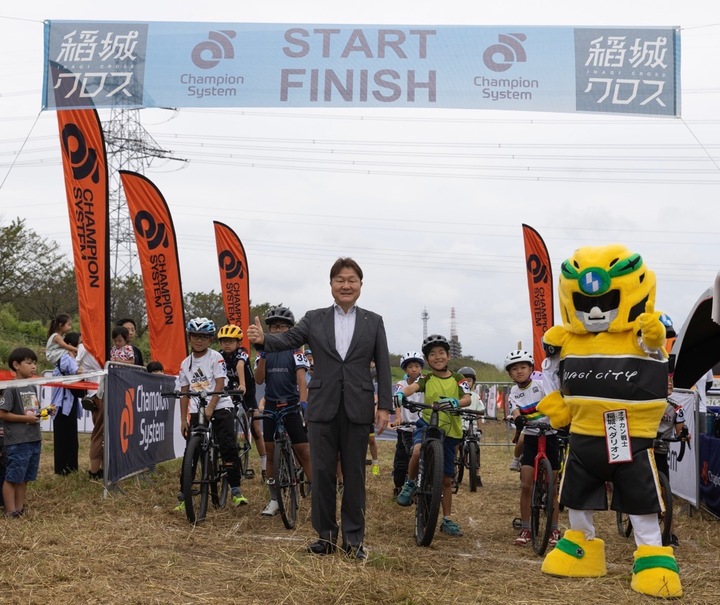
<point>652,330</point>
<point>554,407</point>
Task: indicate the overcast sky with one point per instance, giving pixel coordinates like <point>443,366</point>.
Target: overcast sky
<point>429,201</point>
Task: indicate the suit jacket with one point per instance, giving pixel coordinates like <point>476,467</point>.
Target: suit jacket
<point>333,377</point>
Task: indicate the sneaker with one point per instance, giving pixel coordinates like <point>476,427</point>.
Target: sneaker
<point>674,540</point>
<point>523,538</point>
<point>554,537</point>
<point>264,476</point>
<point>515,464</point>
<point>406,493</point>
<point>180,507</point>
<point>271,509</point>
<point>238,499</point>
<point>375,470</point>
<point>449,527</point>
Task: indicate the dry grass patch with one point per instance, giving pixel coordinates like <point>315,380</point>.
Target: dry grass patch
<point>74,546</point>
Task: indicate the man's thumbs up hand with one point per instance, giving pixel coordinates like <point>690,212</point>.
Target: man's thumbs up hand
<point>255,332</point>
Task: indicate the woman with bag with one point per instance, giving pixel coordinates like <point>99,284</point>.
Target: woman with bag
<point>67,411</point>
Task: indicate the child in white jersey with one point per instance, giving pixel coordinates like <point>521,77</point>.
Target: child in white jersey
<point>412,364</point>
<point>524,396</point>
<point>204,370</point>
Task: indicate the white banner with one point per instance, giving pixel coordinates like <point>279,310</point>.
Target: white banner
<point>684,473</point>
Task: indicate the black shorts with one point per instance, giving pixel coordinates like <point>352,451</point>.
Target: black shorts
<point>293,424</point>
<point>530,448</point>
<point>636,489</point>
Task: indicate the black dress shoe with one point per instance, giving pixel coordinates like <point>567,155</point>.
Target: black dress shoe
<point>357,552</point>
<point>321,547</point>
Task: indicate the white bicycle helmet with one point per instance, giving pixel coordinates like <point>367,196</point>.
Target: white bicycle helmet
<point>412,356</point>
<point>517,356</point>
<point>201,325</point>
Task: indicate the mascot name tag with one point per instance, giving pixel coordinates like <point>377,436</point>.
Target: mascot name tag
<point>617,437</point>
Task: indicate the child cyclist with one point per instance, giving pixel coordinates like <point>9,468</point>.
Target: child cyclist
<point>524,396</point>
<point>20,413</point>
<point>241,378</point>
<point>204,370</point>
<point>283,373</point>
<point>412,363</point>
<point>443,386</point>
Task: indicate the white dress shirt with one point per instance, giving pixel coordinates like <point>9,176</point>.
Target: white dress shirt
<point>344,328</point>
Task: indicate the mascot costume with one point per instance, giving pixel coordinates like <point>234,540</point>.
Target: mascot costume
<point>606,377</point>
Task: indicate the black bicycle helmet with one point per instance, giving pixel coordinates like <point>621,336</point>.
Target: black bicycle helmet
<point>468,371</point>
<point>435,340</point>
<point>279,315</point>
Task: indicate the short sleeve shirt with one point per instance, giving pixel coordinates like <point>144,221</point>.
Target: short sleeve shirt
<point>202,374</point>
<point>19,400</point>
<point>281,375</point>
<point>436,388</point>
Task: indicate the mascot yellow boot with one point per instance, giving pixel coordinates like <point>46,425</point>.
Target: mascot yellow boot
<point>576,557</point>
<point>609,370</point>
<point>655,572</point>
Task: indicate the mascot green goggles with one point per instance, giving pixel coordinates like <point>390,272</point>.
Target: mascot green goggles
<point>596,280</point>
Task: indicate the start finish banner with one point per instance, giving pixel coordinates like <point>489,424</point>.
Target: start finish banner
<point>633,70</point>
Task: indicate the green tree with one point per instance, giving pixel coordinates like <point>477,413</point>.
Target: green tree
<point>57,294</point>
<point>205,304</point>
<point>26,261</point>
<point>127,299</point>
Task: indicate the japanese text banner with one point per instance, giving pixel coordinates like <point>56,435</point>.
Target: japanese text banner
<point>234,279</point>
<point>86,186</point>
<point>540,288</point>
<point>157,251</point>
<point>632,70</point>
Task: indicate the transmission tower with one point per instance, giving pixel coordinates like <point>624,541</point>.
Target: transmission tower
<point>424,316</point>
<point>129,147</point>
<point>455,346</point>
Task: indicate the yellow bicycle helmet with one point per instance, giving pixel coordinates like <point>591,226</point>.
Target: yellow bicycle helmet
<point>230,331</point>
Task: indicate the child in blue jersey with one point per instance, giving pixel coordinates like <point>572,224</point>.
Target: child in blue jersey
<point>241,378</point>
<point>441,385</point>
<point>284,375</point>
<point>524,396</point>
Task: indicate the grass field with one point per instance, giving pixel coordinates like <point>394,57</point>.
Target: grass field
<point>74,546</point>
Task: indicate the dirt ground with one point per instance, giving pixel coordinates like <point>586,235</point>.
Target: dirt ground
<point>76,546</point>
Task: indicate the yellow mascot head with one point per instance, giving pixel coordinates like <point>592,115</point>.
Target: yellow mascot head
<point>604,289</point>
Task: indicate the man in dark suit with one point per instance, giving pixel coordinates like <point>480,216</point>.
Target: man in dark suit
<point>344,339</point>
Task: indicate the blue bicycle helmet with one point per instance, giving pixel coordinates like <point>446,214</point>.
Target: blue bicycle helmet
<point>201,325</point>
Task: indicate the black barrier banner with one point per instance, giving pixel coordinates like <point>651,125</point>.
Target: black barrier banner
<point>138,421</point>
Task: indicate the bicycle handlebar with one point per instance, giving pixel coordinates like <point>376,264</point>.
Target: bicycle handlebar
<point>199,394</point>
<point>437,406</point>
<point>683,439</point>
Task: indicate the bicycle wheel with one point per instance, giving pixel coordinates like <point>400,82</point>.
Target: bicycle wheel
<point>286,483</point>
<point>302,482</point>
<point>624,525</point>
<point>541,507</point>
<point>194,480</point>
<point>218,480</point>
<point>473,462</point>
<point>429,492</point>
<point>243,431</point>
<point>459,468</point>
<point>666,517</point>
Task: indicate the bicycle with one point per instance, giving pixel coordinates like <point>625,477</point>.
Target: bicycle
<point>204,478</point>
<point>468,453</point>
<point>428,493</point>
<point>542,498</point>
<point>624,524</point>
<point>288,476</point>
